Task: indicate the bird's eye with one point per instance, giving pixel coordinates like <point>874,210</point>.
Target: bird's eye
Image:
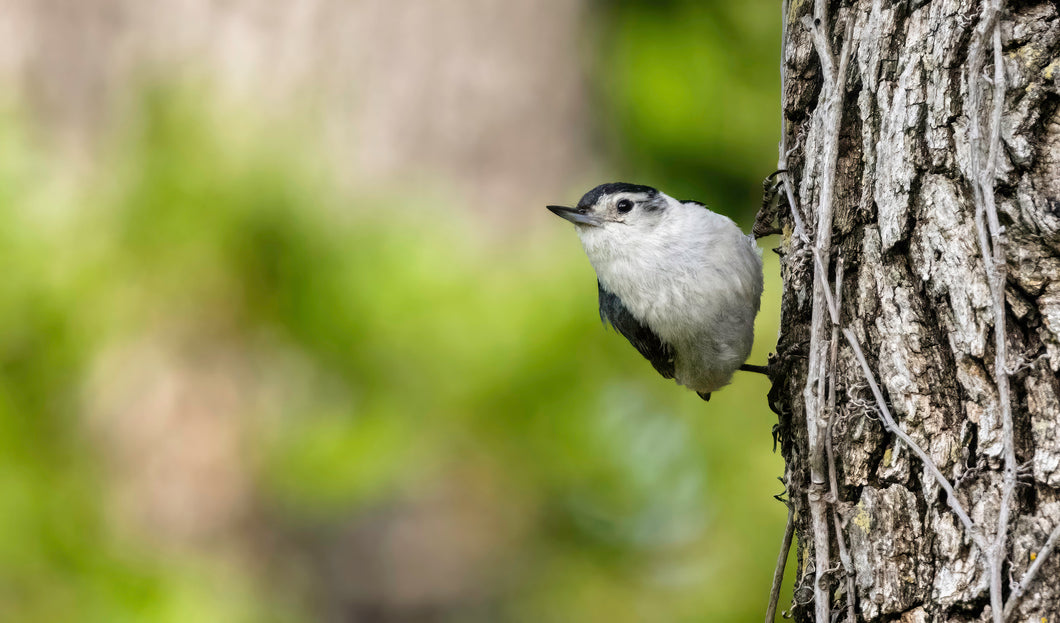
<point>624,206</point>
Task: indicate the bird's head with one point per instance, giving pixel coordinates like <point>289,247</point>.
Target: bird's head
<point>616,205</point>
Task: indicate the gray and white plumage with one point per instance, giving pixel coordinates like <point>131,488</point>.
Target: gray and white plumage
<point>681,283</point>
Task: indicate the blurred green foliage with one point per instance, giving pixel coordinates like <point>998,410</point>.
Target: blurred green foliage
<point>384,353</point>
<point>400,350</point>
<point>691,96</point>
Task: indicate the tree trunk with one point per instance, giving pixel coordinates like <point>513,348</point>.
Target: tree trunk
<point>896,176</point>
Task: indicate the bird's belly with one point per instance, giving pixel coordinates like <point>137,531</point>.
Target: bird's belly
<point>708,323</point>
<point>671,307</point>
<point>707,364</point>
<point>710,341</point>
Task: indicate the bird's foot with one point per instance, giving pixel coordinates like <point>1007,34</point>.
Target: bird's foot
<point>766,219</point>
<point>748,367</point>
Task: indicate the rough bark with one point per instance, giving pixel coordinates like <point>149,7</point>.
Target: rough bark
<point>909,229</point>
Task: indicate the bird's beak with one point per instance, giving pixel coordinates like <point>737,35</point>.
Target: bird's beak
<point>578,216</point>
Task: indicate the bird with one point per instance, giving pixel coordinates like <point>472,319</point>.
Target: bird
<point>682,283</point>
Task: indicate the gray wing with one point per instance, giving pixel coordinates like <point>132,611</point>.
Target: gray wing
<point>659,353</point>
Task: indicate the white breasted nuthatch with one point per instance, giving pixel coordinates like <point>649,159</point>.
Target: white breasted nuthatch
<point>681,283</point>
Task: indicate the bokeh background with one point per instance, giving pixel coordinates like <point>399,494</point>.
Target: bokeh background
<point>286,333</point>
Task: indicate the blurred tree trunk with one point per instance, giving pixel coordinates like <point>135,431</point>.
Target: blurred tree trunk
<point>912,140</point>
